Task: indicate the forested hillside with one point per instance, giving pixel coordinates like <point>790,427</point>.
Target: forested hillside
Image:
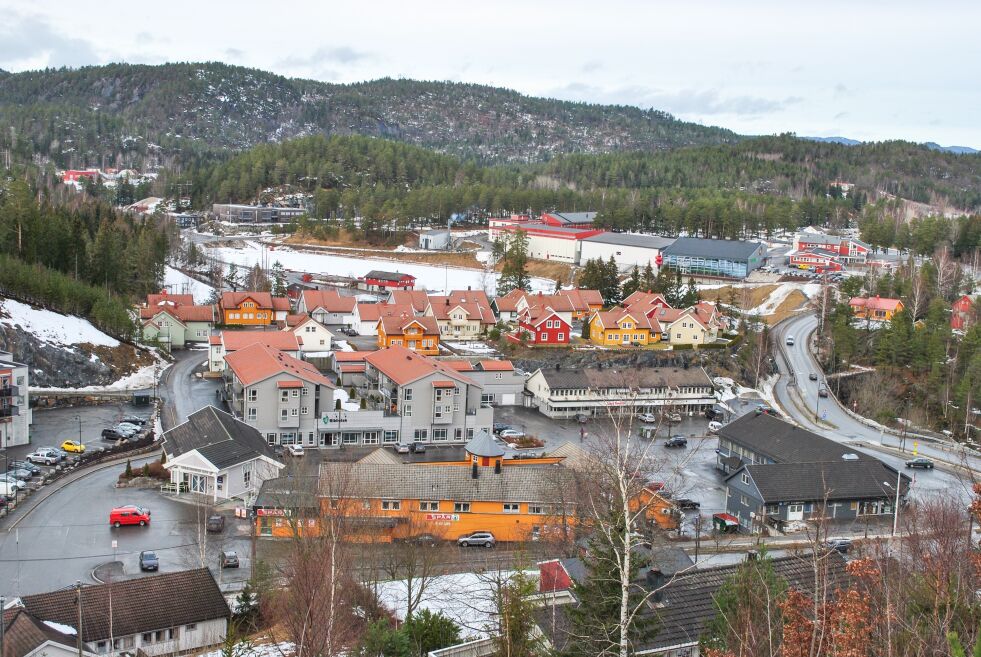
<point>122,113</point>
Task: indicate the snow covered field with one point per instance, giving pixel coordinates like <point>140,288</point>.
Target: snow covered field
<point>433,278</point>
<point>52,328</point>
<point>177,282</point>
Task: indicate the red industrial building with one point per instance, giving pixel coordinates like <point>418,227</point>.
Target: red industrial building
<point>820,260</point>
<point>376,280</point>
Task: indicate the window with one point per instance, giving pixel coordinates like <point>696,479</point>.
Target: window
<point>421,434</point>
<point>461,507</point>
<point>744,500</point>
<point>429,506</point>
<point>370,438</point>
<point>252,414</point>
<point>439,434</point>
<point>500,375</point>
<point>253,394</point>
<point>305,392</point>
<point>407,410</point>
<point>560,337</point>
<point>536,509</point>
<point>296,393</point>
<point>246,477</point>
<point>469,433</point>
<point>391,437</point>
<point>511,507</point>
<point>147,637</point>
<point>285,396</point>
<point>349,438</point>
<point>458,434</point>
<point>283,414</point>
<point>190,627</point>
<point>745,478</point>
<point>102,646</point>
<point>293,412</point>
<point>304,410</point>
<point>391,505</point>
<point>407,394</point>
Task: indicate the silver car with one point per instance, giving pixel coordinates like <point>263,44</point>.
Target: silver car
<point>477,538</point>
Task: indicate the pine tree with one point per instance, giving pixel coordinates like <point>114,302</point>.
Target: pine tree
<point>514,273</point>
<point>611,282</point>
<point>278,276</point>
<point>633,283</point>
<point>647,281</point>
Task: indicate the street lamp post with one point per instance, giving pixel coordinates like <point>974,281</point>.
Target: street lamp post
<point>79,418</point>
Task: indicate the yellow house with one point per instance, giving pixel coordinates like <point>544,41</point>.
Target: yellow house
<point>420,334</point>
<point>622,327</point>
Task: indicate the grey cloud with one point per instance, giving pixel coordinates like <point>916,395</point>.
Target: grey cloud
<point>840,115</point>
<point>592,66</point>
<point>323,63</point>
<point>841,90</point>
<point>25,38</point>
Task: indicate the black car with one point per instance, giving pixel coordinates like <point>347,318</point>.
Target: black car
<point>823,392</point>
<point>216,524</point>
<point>676,441</point>
<point>686,504</point>
<point>920,462</point>
<point>813,376</point>
<point>417,448</point>
<point>842,545</point>
<point>149,561</point>
<point>112,434</point>
<point>349,331</point>
<point>500,426</point>
<point>134,419</point>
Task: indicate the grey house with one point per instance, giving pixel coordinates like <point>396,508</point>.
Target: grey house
<point>778,473</point>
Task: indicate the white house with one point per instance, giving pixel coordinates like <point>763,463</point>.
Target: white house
<point>327,307</point>
<point>15,412</point>
<point>313,337</point>
<point>216,455</point>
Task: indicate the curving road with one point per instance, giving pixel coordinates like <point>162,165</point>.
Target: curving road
<point>798,397</point>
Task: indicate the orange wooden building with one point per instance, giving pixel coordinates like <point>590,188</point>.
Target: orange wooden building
<point>420,334</point>
<point>252,308</point>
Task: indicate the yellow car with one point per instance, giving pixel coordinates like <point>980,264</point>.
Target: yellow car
<point>73,446</point>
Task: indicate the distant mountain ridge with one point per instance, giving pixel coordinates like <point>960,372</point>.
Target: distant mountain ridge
<point>83,116</point>
<point>933,146</point>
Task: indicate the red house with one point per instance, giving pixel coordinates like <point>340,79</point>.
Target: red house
<point>74,175</point>
<point>543,326</point>
<point>820,260</point>
<point>376,280</point>
<point>963,313</point>
<point>846,248</point>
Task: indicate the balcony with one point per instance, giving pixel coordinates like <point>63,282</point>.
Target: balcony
<point>9,411</point>
<point>9,391</point>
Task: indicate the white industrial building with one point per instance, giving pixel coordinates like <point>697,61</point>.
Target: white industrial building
<point>627,249</point>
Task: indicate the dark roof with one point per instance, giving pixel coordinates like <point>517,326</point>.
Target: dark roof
<point>610,377</point>
<point>288,492</point>
<point>573,217</point>
<point>632,239</point>
<point>484,445</point>
<point>837,480</point>
<point>218,437</point>
<point>688,603</point>
<point>784,442</point>
<point>386,275</point>
<point>23,633</point>
<point>703,248</point>
<point>576,569</point>
<point>138,605</point>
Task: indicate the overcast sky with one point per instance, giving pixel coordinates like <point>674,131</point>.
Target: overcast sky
<point>881,70</point>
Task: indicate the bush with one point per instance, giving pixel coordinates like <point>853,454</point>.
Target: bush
<point>494,334</point>
<point>146,469</point>
<point>129,469</point>
<point>364,403</point>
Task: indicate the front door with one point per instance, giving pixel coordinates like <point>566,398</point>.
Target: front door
<point>626,338</point>
<point>795,512</point>
<point>199,483</point>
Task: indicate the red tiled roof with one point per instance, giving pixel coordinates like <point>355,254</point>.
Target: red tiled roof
<point>535,315</point>
<point>444,384</point>
<point>583,299</point>
<point>473,302</point>
<point>396,325</point>
<point>610,318</point>
<point>293,321</point>
<point>258,362</point>
<point>459,365</point>
<point>350,356</point>
<point>289,384</point>
<point>169,299</point>
<point>403,365</point>
<point>264,300</point>
<point>875,303</point>
<point>281,303</point>
<point>496,365</point>
<point>329,300</point>
<point>196,313</point>
<point>352,368</point>
<point>417,299</point>
<point>214,339</point>
<point>509,302</point>
<point>278,340</point>
<point>372,312</point>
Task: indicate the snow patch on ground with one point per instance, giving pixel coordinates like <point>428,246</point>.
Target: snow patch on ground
<point>346,402</point>
<point>52,327</point>
<point>341,345</point>
<point>780,294</point>
<point>434,278</point>
<point>472,348</point>
<point>141,379</point>
<point>177,282</point>
<point>248,649</point>
<point>465,598</point>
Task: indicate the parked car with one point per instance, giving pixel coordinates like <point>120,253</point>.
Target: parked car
<point>135,428</point>
<point>920,462</point>
<point>582,418</point>
<point>512,433</point>
<point>676,441</point>
<point>125,430</point>
<point>813,376</point>
<point>215,524</point>
<point>500,426</point>
<point>20,473</point>
<point>73,446</point>
<point>134,419</point>
<point>14,482</point>
<point>686,504</point>
<point>349,330</point>
<point>8,489</point>
<point>24,465</point>
<point>129,515</point>
<point>278,450</point>
<point>790,341</point>
<point>477,538</point>
<point>149,561</point>
<point>112,434</point>
<point>417,448</point>
<point>402,448</point>
<point>45,456</point>
<point>841,545</point>
<point>714,426</point>
<point>294,450</point>
<point>228,559</point>
<point>650,418</point>
<point>823,391</point>
<point>672,418</point>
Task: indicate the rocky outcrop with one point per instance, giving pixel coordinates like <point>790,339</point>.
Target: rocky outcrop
<point>71,367</point>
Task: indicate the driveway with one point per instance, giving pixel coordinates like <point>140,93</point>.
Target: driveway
<point>183,391</point>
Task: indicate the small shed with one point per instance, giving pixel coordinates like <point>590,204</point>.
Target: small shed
<point>438,239</point>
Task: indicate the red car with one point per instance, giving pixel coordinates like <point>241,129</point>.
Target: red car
<point>129,515</point>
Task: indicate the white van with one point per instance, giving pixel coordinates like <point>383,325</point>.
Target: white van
<point>790,341</point>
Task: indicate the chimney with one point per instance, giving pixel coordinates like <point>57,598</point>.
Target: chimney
<point>468,288</point>
<point>474,472</point>
<point>752,555</point>
<point>497,466</point>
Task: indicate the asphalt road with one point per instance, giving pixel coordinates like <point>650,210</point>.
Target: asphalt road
<point>798,396</point>
<point>67,536</point>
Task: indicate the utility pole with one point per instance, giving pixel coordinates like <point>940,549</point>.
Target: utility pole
<point>78,594</point>
<point>3,604</point>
